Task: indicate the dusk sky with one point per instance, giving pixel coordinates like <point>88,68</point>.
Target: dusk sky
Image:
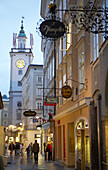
<point>11,12</point>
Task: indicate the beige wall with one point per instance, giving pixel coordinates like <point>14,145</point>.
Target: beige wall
<point>2,140</point>
<point>70,118</point>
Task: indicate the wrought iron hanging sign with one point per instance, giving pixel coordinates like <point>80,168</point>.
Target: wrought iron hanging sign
<point>91,18</point>
<point>52,29</point>
<point>29,113</point>
<point>66,91</point>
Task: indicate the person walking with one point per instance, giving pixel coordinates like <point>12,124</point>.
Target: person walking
<point>28,150</point>
<point>11,148</point>
<point>45,150</point>
<point>36,151</point>
<point>31,149</point>
<point>49,149</point>
<point>22,149</point>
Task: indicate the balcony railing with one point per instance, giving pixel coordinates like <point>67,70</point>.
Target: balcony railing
<point>21,50</point>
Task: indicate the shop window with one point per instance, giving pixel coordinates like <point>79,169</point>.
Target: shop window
<point>71,137</point>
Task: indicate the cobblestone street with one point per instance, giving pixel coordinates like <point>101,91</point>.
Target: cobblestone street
<point>19,163</point>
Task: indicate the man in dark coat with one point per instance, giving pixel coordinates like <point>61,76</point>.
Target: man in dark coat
<point>11,148</point>
<point>36,151</point>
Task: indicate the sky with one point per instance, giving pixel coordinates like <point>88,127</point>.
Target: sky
<point>11,12</point>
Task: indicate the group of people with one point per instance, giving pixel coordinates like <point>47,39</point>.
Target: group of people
<point>29,150</point>
<point>19,148</point>
<point>32,148</point>
<point>48,149</point>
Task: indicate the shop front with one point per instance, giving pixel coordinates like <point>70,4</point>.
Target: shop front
<point>72,137</point>
<point>47,135</point>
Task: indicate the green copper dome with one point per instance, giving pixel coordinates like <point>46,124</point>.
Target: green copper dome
<point>22,32</point>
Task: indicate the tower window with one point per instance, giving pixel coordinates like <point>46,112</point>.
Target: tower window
<point>19,72</point>
<point>19,83</point>
<point>39,79</point>
<point>5,115</point>
<point>19,116</point>
<point>4,122</point>
<point>21,45</point>
<point>19,104</point>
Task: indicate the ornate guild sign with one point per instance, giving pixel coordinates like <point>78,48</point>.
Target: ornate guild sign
<point>66,91</point>
<point>29,113</point>
<point>52,29</point>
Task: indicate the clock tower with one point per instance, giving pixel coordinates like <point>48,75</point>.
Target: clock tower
<point>20,58</point>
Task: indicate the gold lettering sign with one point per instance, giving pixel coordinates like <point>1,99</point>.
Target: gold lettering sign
<point>29,113</point>
<point>66,91</point>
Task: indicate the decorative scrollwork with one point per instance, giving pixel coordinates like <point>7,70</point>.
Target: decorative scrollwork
<point>90,18</point>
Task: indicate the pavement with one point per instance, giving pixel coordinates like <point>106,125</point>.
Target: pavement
<point>24,163</point>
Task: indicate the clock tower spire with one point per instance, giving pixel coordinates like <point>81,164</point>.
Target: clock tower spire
<point>20,58</point>
<point>22,36</point>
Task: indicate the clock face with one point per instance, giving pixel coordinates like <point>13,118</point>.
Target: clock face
<point>20,63</point>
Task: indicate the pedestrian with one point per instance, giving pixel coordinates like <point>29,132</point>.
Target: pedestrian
<point>28,150</point>
<point>45,150</point>
<point>6,146</point>
<point>22,149</point>
<point>36,151</point>
<point>11,148</point>
<point>31,149</point>
<point>18,148</point>
<point>49,150</point>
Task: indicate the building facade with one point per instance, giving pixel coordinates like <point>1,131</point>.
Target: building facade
<point>5,112</point>
<point>20,57</point>
<point>81,63</point>
<point>32,95</point>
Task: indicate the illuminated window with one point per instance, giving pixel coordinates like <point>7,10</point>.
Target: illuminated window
<point>60,86</point>
<point>64,75</point>
<point>5,108</point>
<point>69,35</point>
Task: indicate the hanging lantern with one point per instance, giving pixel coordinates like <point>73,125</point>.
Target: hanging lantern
<point>52,6</point>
